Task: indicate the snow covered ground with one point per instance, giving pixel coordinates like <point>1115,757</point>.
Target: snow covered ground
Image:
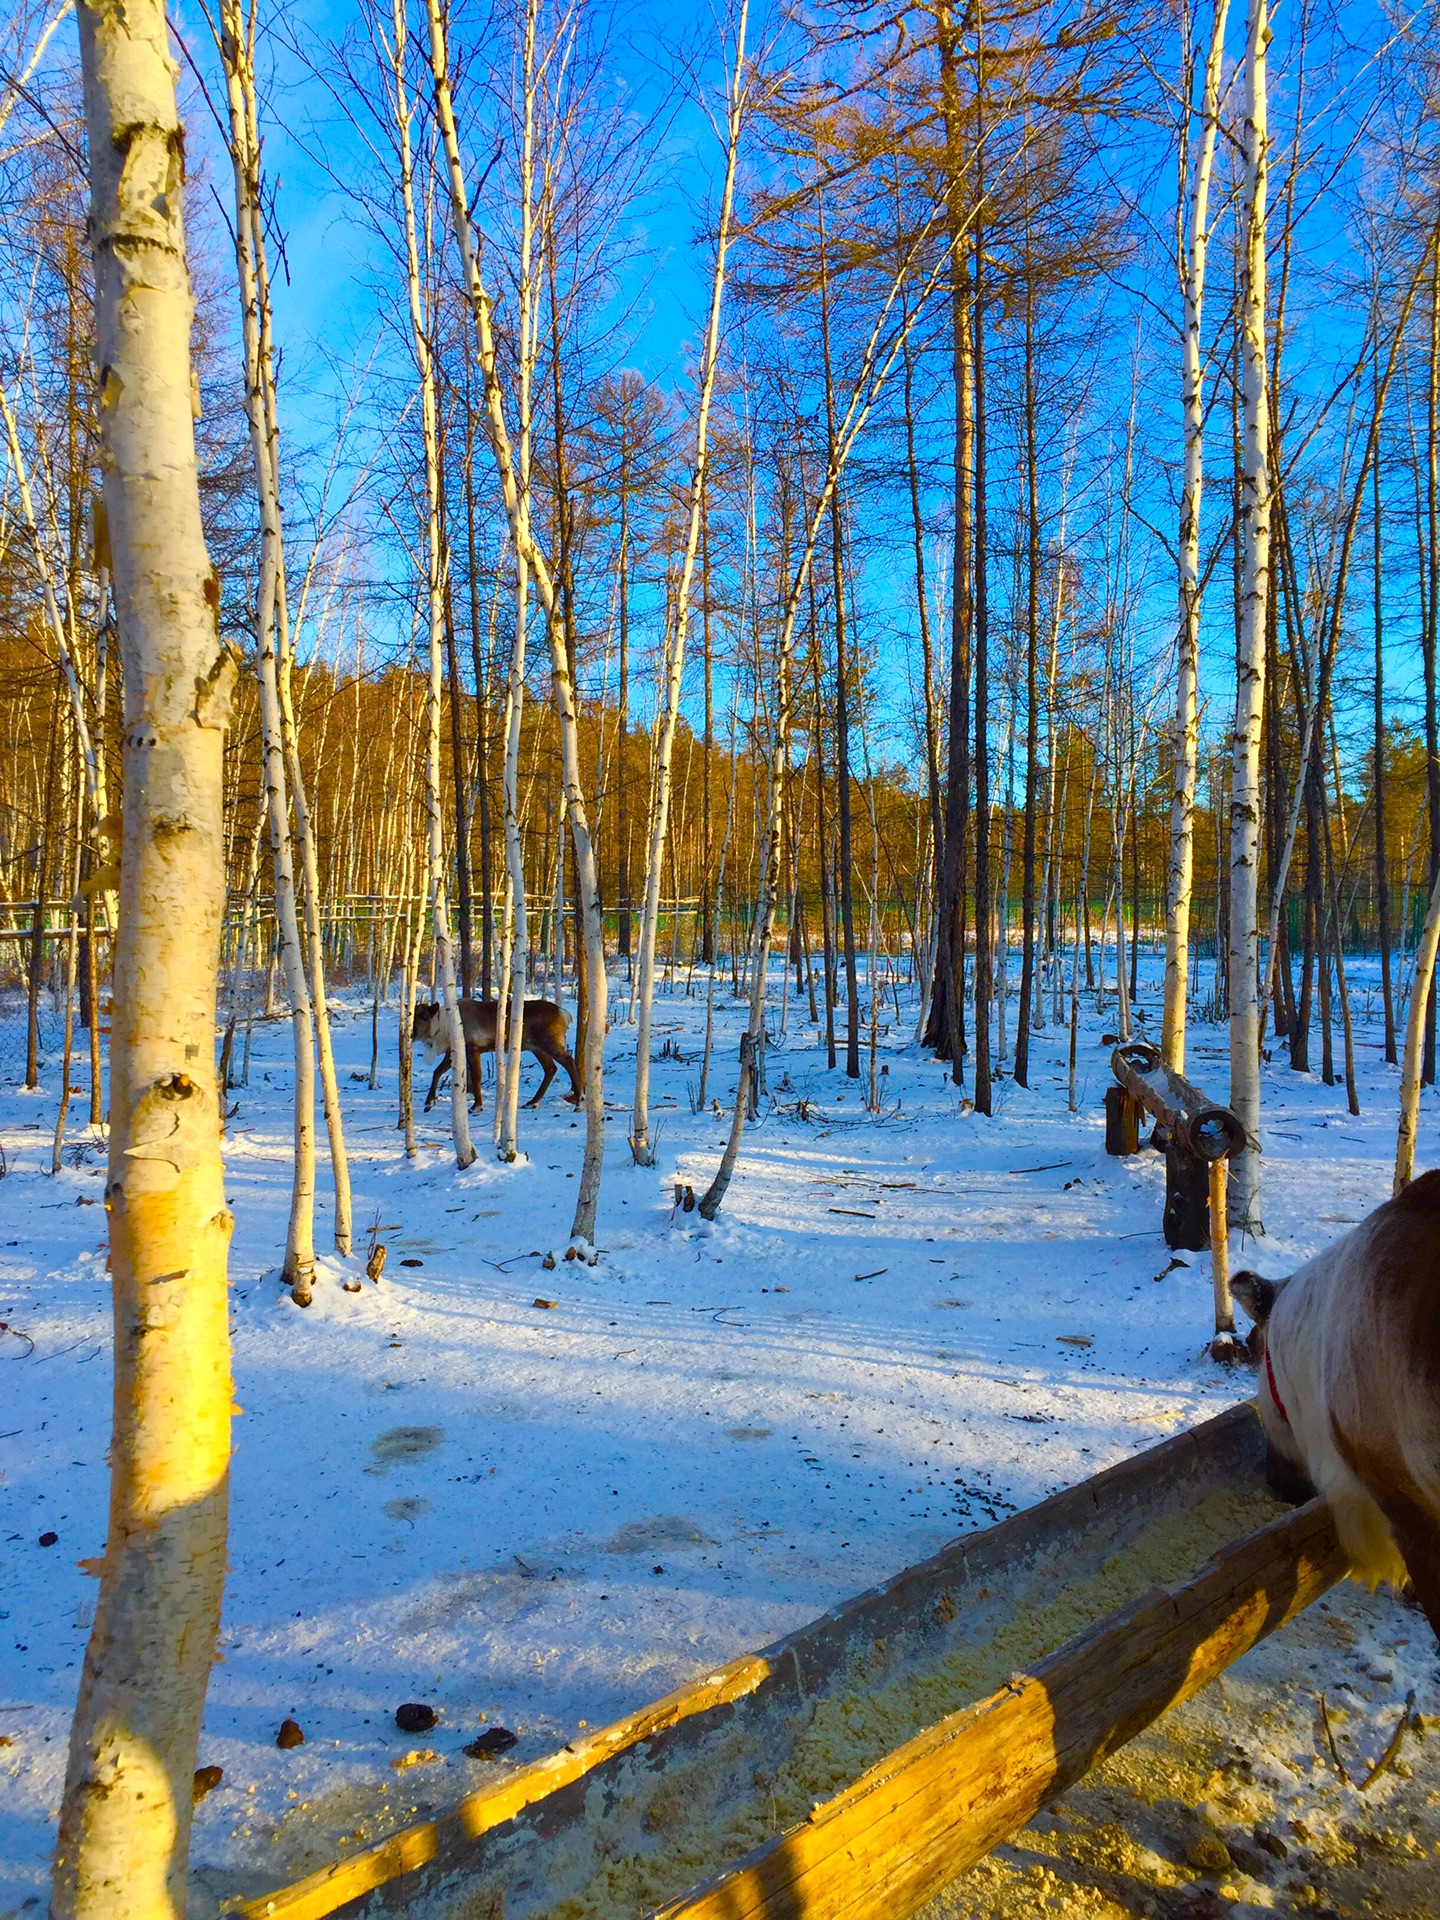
<point>543,1516</point>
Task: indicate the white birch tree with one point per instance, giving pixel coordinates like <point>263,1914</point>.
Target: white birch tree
<point>298,1271</point>
<point>125,1817</point>
<point>673,668</point>
<point>1255,589</point>
<point>435,601</point>
<point>527,547</point>
<point>510,1013</point>
<point>1187,720</point>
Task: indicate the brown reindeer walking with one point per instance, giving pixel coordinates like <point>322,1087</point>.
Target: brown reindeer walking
<point>544,1036</point>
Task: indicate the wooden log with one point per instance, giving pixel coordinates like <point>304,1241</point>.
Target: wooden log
<point>1123,1114</point>
<point>892,1841</point>
<point>1186,1220</point>
<point>1201,1126</point>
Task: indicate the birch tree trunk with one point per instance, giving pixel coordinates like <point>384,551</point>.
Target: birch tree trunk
<point>435,598</point>
<point>1250,656</point>
<point>875,368</point>
<point>1413,1063</point>
<point>304,835</point>
<point>674,666</point>
<point>517,950</point>
<point>125,1819</point>
<point>517,510</point>
<point>512,1009</point>
<point>1187,722</point>
<point>305,839</point>
<point>298,1272</point>
<point>237,53</point>
<point>72,949</point>
<point>53,617</point>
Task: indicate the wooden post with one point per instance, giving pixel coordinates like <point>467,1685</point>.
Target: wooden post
<point>1226,1345</point>
<point>1123,1114</point>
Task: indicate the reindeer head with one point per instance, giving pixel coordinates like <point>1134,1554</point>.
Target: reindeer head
<point>1256,1294</point>
<point>427,1026</point>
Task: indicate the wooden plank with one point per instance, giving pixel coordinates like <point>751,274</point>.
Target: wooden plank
<point>889,1843</point>
<point>321,1893</point>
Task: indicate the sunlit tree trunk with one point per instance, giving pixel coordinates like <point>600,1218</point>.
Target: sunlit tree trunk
<point>1025,1012</point>
<point>517,943</point>
<point>1187,720</point>
<point>299,1268</point>
<point>435,603</point>
<point>310,896</point>
<point>674,662</point>
<point>874,371</point>
<point>980,589</point>
<point>285,788</point>
<point>1413,1061</point>
<point>512,999</point>
<point>53,617</point>
<point>1250,657</point>
<point>945,1030</point>
<point>72,948</point>
<point>517,509</point>
<point>1382,871</point>
<point>844,808</point>
<point>125,1818</point>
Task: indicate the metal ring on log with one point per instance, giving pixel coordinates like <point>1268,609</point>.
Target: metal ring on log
<point>1214,1133</point>
<point>1201,1127</point>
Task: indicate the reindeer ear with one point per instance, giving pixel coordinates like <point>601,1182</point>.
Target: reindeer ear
<point>1256,1294</point>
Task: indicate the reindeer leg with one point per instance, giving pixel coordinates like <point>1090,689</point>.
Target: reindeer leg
<point>549,1065</point>
<point>575,1095</point>
<point>1415,1537</point>
<point>1285,1478</point>
<point>475,1062</point>
<point>435,1078</point>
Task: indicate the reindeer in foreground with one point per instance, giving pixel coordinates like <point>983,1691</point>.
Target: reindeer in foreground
<point>1349,1352</point>
<point>544,1036</point>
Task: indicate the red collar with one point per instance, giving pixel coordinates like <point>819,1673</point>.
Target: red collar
<point>1274,1390</point>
